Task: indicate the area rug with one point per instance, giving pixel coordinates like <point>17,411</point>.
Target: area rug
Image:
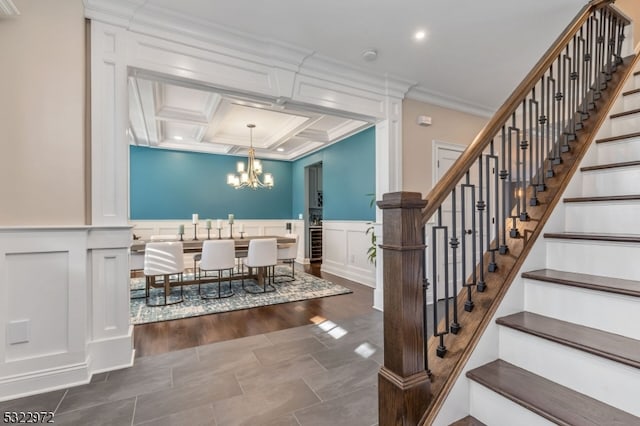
<point>303,288</point>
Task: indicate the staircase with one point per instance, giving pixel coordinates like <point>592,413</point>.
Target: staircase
<point>571,356</point>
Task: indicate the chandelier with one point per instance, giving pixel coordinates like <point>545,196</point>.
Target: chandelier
<point>249,176</point>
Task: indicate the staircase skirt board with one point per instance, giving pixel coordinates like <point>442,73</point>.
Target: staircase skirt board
<point>554,402</point>
<point>616,313</point>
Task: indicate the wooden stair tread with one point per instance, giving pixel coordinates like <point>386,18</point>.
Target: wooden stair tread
<point>597,342</point>
<point>625,113</point>
<point>610,166</point>
<point>468,421</point>
<point>550,400</point>
<point>602,198</point>
<point>593,282</point>
<point>619,137</point>
<point>618,238</point>
<point>631,92</point>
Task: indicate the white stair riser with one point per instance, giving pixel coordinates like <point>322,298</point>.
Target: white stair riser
<point>630,102</point>
<point>608,381</point>
<point>616,313</point>
<point>495,410</point>
<point>625,124</point>
<point>618,151</point>
<point>615,217</point>
<point>618,260</point>
<point>618,181</point>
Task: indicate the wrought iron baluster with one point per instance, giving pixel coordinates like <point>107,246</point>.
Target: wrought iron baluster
<point>441,350</point>
<point>504,174</point>
<point>533,103</point>
<point>492,169</point>
<point>468,305</point>
<point>454,243</point>
<point>425,301</point>
<point>522,185</point>
<point>514,233</point>
<point>480,206</point>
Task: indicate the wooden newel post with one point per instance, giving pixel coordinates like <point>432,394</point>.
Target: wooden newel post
<point>403,384</point>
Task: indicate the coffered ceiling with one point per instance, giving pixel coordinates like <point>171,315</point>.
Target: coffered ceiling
<point>166,114</point>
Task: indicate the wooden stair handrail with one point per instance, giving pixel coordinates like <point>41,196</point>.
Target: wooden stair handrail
<point>447,183</point>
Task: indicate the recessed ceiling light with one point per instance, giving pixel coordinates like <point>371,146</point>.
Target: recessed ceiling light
<point>370,55</point>
<point>280,149</point>
<point>178,138</point>
<point>420,35</point>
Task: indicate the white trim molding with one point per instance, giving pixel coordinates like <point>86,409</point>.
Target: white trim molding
<point>344,251</point>
<point>71,318</point>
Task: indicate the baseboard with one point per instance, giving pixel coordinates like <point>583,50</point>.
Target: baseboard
<point>111,354</point>
<point>358,275</point>
<point>46,380</point>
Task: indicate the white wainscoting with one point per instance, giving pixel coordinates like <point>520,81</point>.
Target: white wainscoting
<point>146,228</point>
<point>64,306</point>
<point>344,251</point>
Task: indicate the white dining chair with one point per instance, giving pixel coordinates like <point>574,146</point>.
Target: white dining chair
<point>287,254</point>
<point>217,256</point>
<point>262,254</point>
<point>166,260</point>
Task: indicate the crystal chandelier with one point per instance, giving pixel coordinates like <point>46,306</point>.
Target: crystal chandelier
<point>249,176</point>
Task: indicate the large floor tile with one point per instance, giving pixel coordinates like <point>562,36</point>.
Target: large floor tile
<point>348,353</point>
<point>198,416</point>
<point>43,402</point>
<point>295,333</point>
<point>116,413</point>
<point>358,408</point>
<point>345,379</point>
<point>288,350</point>
<point>207,369</point>
<point>265,406</point>
<point>121,384</point>
<point>166,402</point>
<point>264,376</point>
<point>231,347</point>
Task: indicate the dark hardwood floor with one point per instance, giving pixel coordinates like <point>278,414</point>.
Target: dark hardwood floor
<point>166,336</point>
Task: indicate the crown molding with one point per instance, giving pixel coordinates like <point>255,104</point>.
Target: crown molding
<point>422,94</point>
<point>7,8</point>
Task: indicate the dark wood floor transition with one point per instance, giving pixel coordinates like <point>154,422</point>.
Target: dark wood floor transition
<point>166,336</point>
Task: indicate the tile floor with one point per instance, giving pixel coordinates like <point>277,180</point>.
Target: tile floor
<point>324,374</point>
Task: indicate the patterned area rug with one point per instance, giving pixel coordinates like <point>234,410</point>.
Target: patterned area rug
<point>303,288</point>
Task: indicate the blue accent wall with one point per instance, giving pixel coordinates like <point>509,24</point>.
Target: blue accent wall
<point>348,175</point>
<point>166,184</point>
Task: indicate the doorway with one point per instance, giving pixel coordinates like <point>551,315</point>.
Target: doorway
<point>314,202</point>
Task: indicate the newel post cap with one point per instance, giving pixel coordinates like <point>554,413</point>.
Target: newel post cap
<point>402,200</point>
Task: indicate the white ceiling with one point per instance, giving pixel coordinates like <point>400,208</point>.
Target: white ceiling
<point>475,53</point>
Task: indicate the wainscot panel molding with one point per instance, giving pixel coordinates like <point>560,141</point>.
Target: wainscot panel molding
<point>344,251</point>
<point>144,229</point>
<point>64,307</point>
